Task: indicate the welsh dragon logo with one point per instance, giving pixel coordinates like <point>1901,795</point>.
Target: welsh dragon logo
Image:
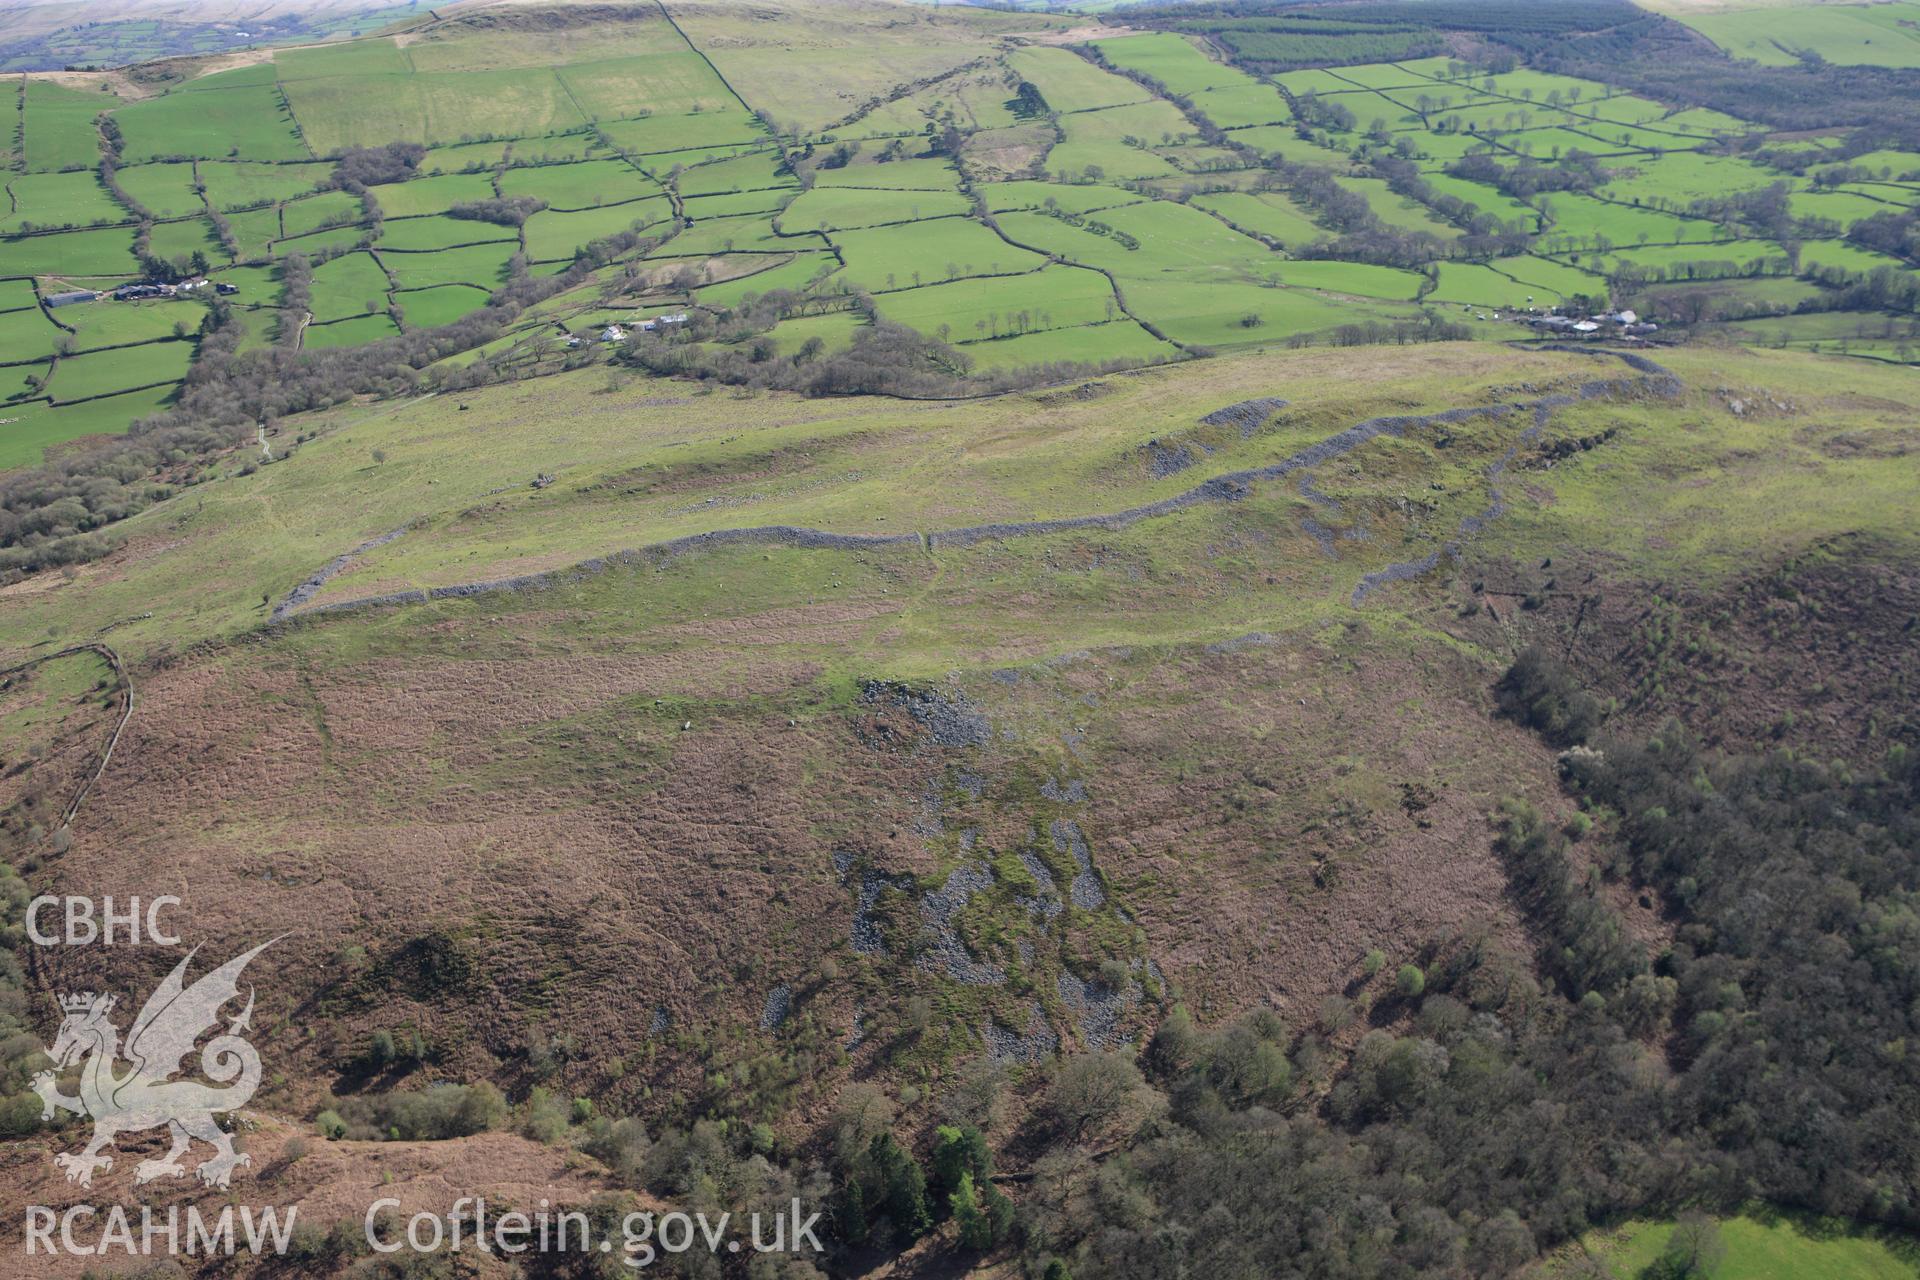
<point>147,1095</point>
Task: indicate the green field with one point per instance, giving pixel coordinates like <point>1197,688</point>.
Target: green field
<point>70,253</point>
<point>1121,340</point>
<point>433,108</point>
<point>833,209</point>
<point>554,236</point>
<point>1240,106</point>
<point>1069,82</point>
<point>683,139</point>
<point>16,295</point>
<point>240,184</point>
<point>1091,152</point>
<point>1479,285</point>
<point>60,200</point>
<point>164,190</point>
<point>26,335</point>
<point>39,425</point>
<point>113,324</point>
<point>1171,60</point>
<point>407,235</point>
<point>898,175</point>
<point>483,266</point>
<point>1218,314</point>
<point>1268,213</point>
<point>349,333</point>
<point>835,331</point>
<point>329,241</point>
<point>58,126</point>
<point>351,285</point>
<point>180,240</point>
<point>736,203</point>
<point>585,185</point>
<point>98,373</point>
<point>1881,35</point>
<point>1762,1245</point>
<point>432,195</point>
<point>429,308</point>
<point>1835,332</point>
<point>753,171</point>
<point>793,273</point>
<point>327,209</point>
<point>1057,297</point>
<point>247,123</point>
<point>675,80</point>
<point>929,252</point>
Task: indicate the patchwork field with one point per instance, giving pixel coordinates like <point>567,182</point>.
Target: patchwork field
<point>1184,221</point>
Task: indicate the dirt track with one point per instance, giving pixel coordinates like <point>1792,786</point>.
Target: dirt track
<point>1229,487</point>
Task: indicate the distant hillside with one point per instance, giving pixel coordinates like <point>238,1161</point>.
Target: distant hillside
<point>53,37</point>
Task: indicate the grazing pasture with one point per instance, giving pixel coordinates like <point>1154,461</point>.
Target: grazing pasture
<point>347,286</point>
<point>683,139</point>
<point>432,195</point>
<point>1880,35</point>
<point>40,425</point>
<point>180,241</point>
<point>349,333</point>
<point>1172,60</point>
<point>17,295</point>
<point>1068,82</point>
<point>26,335</point>
<point>552,236</point>
<point>76,199</point>
<point>483,266</point>
<point>865,176</point>
<point>1120,341</point>
<point>1230,313</point>
<point>242,184</point>
<point>672,81</point>
<point>885,258</point>
<point>1267,213</point>
<point>834,331</point>
<point>250,122</point>
<point>754,171</point>
<point>444,304</point>
<point>1006,197</point>
<point>968,310</point>
<point>441,232</point>
<point>585,185</point>
<point>57,126</point>
<point>115,324</point>
<point>833,209</point>
<point>794,273</point>
<point>165,190</point>
<point>897,175</point>
<point>106,252</point>
<point>325,209</point>
<point>98,373</point>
